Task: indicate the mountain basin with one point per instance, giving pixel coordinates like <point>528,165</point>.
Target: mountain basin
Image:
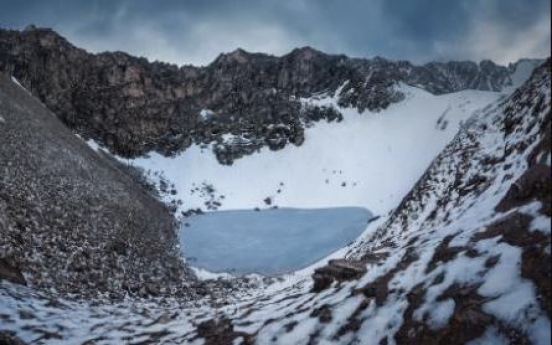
<point>268,242</point>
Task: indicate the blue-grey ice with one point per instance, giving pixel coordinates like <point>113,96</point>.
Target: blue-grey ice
<point>269,242</point>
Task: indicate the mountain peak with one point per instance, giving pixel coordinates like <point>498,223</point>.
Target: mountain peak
<point>306,53</point>
<point>238,55</point>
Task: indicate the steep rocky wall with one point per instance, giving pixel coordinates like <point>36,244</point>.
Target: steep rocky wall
<point>133,106</point>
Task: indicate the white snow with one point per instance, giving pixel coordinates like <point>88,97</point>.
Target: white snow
<point>441,313</point>
<point>511,305</point>
<point>503,277</point>
<point>540,330</point>
<point>16,82</point>
<point>369,160</point>
<point>94,145</point>
<point>14,79</point>
<point>523,70</point>
<point>203,274</point>
<point>540,223</point>
<point>205,114</point>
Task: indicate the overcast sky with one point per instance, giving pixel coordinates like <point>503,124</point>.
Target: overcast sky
<point>196,31</point>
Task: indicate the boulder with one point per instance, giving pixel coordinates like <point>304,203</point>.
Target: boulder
<point>337,270</point>
<point>10,273</point>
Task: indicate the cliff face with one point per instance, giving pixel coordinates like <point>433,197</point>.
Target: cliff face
<point>133,106</point>
<point>71,219</point>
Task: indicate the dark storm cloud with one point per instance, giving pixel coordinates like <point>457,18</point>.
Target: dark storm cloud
<point>196,31</point>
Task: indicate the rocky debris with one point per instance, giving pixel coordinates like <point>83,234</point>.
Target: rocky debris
<point>337,270</point>
<point>323,313</point>
<point>73,220</point>
<point>379,289</point>
<point>192,212</point>
<point>535,183</point>
<point>10,273</point>
<point>445,253</point>
<point>132,106</point>
<point>213,200</point>
<point>374,258</point>
<point>467,323</point>
<point>220,332</point>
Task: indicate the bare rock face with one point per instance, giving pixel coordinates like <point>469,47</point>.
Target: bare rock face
<point>71,219</point>
<point>133,106</point>
<point>337,270</point>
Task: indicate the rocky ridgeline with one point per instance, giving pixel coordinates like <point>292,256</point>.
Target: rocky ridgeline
<point>240,102</point>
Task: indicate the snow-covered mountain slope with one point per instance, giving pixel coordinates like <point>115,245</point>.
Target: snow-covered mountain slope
<point>371,159</point>
<point>521,71</point>
<point>464,259</point>
<point>467,251</point>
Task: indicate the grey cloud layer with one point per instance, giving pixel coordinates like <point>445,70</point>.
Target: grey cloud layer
<point>196,32</point>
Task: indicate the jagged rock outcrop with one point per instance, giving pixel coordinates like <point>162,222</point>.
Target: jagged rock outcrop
<point>133,106</point>
<point>72,220</point>
<point>337,270</point>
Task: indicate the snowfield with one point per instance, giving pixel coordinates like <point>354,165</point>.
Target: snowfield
<point>368,160</point>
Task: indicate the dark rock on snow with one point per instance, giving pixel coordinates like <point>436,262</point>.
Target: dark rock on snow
<point>337,270</point>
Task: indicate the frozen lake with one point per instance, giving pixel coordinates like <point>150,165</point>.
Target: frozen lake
<point>269,242</point>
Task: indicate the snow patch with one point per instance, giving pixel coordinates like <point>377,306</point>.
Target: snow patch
<point>523,70</point>
<point>206,114</point>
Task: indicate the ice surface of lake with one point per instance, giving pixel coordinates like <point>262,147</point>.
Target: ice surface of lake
<point>269,242</point>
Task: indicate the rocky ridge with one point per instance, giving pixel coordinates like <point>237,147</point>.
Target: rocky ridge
<point>239,103</point>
